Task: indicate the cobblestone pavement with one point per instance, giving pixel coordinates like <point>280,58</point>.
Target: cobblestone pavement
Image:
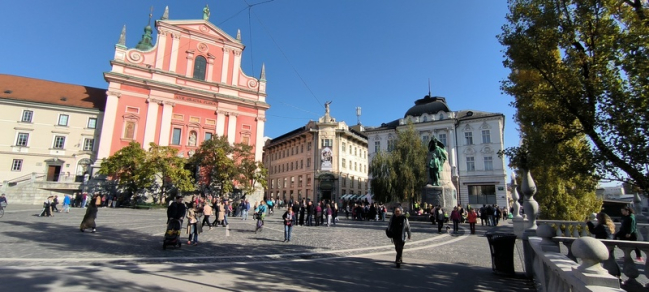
<point>128,243</point>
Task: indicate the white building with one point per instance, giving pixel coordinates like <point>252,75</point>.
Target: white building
<point>50,136</point>
<point>472,138</point>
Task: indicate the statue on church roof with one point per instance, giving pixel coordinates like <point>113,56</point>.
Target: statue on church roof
<point>206,12</point>
<point>327,107</point>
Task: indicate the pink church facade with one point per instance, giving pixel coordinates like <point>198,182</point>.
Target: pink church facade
<point>182,90</point>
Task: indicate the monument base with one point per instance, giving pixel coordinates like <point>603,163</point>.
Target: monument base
<point>440,195</point>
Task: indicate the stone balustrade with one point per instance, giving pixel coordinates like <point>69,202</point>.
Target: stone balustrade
<point>567,233</point>
<point>554,271</point>
<point>580,229</point>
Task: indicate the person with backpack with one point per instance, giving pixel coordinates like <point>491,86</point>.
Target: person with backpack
<point>399,231</point>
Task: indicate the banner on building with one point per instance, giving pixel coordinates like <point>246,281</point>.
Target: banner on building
<point>326,156</point>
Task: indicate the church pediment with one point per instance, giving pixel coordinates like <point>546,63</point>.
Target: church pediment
<point>202,27</point>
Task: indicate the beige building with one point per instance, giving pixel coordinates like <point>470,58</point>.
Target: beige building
<point>50,135</point>
<point>322,160</point>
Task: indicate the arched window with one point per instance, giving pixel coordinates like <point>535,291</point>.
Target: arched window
<point>199,68</point>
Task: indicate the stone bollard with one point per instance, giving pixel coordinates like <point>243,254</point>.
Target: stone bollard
<point>592,252</point>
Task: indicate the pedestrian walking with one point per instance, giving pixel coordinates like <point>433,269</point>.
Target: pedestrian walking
<point>192,223</point>
<point>66,204</point>
<point>456,217</point>
<point>91,214</point>
<point>207,212</point>
<point>399,227</point>
<point>472,217</point>
<point>55,201</point>
<point>628,229</point>
<point>439,212</point>
<point>288,217</point>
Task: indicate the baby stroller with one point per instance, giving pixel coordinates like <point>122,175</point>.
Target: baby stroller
<point>172,236</point>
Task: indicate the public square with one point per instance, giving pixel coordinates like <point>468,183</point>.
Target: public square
<point>51,254</point>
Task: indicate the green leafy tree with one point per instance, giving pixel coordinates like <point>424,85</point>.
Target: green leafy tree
<point>400,175</point>
<point>249,172</point>
<point>169,169</point>
<point>382,177</point>
<point>128,167</point>
<point>585,63</point>
<point>216,167</point>
<point>409,164</point>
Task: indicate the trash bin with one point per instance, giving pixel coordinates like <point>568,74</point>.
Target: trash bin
<point>502,252</point>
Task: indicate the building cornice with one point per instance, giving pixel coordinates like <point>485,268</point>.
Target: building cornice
<point>181,77</point>
<point>177,89</point>
<point>48,106</point>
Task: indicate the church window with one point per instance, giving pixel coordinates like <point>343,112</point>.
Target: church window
<point>199,68</point>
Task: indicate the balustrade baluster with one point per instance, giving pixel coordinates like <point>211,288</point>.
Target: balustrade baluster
<point>630,269</point>
<point>584,229</point>
<point>610,264</point>
<point>575,230</point>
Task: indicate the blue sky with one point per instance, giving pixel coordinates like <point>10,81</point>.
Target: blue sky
<point>373,54</point>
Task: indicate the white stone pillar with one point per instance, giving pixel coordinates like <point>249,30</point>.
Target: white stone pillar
<point>210,68</point>
<point>189,72</point>
<point>236,68</point>
<point>453,151</point>
<point>259,140</point>
<point>175,44</point>
<point>232,128</point>
<point>165,124</point>
<point>108,125</point>
<point>220,123</point>
<point>162,45</point>
<point>151,122</point>
<point>226,65</point>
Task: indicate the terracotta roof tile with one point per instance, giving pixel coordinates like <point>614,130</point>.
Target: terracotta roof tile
<point>50,92</point>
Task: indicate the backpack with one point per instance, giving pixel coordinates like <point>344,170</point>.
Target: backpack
<point>388,232</point>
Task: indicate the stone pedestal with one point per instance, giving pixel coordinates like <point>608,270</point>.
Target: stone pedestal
<point>445,194</point>
<point>519,226</point>
<point>440,195</point>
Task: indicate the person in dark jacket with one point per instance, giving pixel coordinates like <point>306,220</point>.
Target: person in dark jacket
<point>91,214</point>
<point>628,229</point>
<point>309,214</point>
<point>296,209</point>
<point>302,212</point>
<point>604,228</point>
<point>176,210</point>
<point>399,227</point>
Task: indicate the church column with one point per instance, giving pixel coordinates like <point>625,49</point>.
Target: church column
<point>220,123</point>
<point>151,122</point>
<point>108,125</point>
<point>190,64</point>
<point>175,44</point>
<point>232,128</point>
<point>259,147</point>
<point>165,124</point>
<point>162,44</point>
<point>210,68</point>
<point>235,68</point>
<point>225,66</point>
